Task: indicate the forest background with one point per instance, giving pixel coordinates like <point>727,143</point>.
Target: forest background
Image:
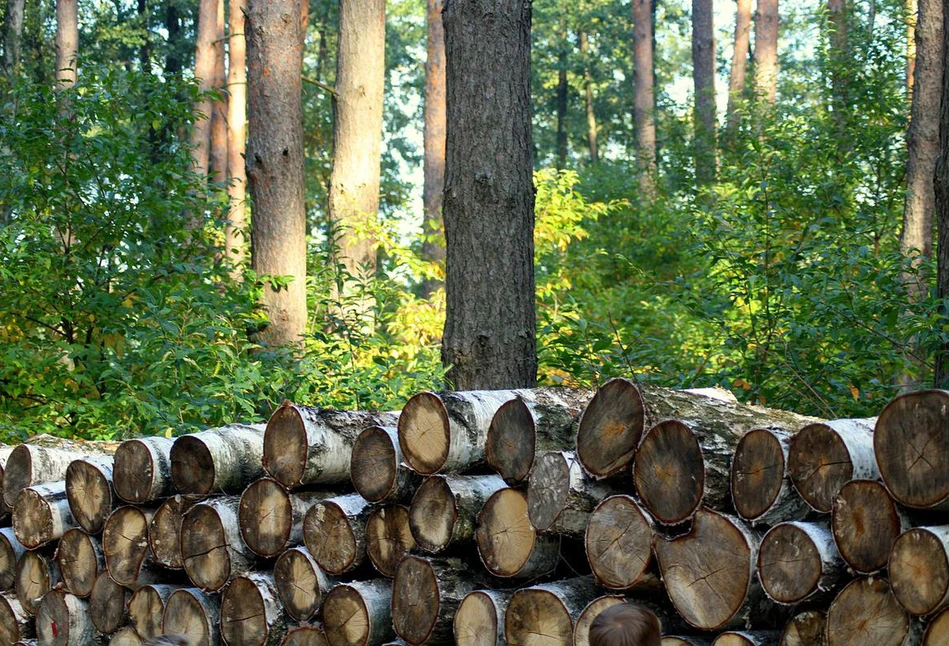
<point>778,274</point>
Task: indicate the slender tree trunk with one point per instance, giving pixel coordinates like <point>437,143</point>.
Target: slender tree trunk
<point>433,190</point>
<point>839,62</point>
<point>736,77</point>
<point>217,160</point>
<point>588,96</point>
<point>357,136</point>
<point>942,208</point>
<point>644,97</point>
<point>703,75</point>
<point>275,162</point>
<point>489,339</point>
<point>173,27</point>
<point>204,62</point>
<point>13,35</point>
<point>67,42</point>
<point>766,50</point>
<point>912,11</point>
<point>562,93</point>
<point>235,243</point>
<point>145,50</point>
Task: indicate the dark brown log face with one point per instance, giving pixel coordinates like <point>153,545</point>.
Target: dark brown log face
<point>618,542</point>
<point>511,444</point>
<point>335,535</point>
<point>142,469</point>
<point>90,495</point>
<point>251,614</point>
<point>820,461</point>
<point>80,562</point>
<point>358,614</point>
<point>425,433</point>
<point>708,571</point>
<point>477,621</point>
<point>669,472</point>
<point>866,612</point>
<point>211,548</point>
<point>108,604</point>
<point>805,629</point>
<point>912,448</point>
<point>192,466</point>
<point>305,636</point>
<point>937,633</point>
<point>35,576</point>
<point>581,634</point>
<point>758,471</point>
<point>63,619</point>
<point>865,523</point>
<point>266,517</point>
<point>433,514</point>
<point>388,538</point>
<point>192,613</point>
<point>789,563</point>
<point>300,583</point>
<point>125,543</point>
<point>507,542</point>
<point>219,460</point>
<point>919,569</point>
<point>375,464</point>
<point>10,551</point>
<point>164,532</point>
<point>285,445</point>
<point>415,600</point>
<point>15,623</point>
<point>548,490</point>
<point>611,428</point>
<point>147,607</point>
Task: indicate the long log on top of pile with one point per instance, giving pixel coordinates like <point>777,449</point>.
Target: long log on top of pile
<point>825,456</point>
<point>797,561</point>
<point>560,495</point>
<point>211,547</point>
<point>271,518</point>
<point>445,508</point>
<point>541,419</point>
<point>388,538</point>
<point>615,420</point>
<point>300,583</point>
<point>359,613</point>
<point>912,448</point>
<point>334,530</point>
<point>479,620</point>
<point>426,594</point>
<point>45,459</point>
<point>866,521</point>
<point>195,614</point>
<point>219,460</point>
<point>549,609</point>
<point>251,612</point>
<point>304,445</point>
<point>918,569</point>
<point>508,545</point>
<point>90,492</point>
<point>866,612</point>
<point>806,628</point>
<point>379,473</point>
<point>619,542</point>
<point>141,471</point>
<point>761,488</point>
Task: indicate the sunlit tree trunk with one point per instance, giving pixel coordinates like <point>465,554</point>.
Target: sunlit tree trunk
<point>703,76</point>
<point>235,242</point>
<point>217,159</point>
<point>67,42</point>
<point>911,13</point>
<point>489,339</point>
<point>839,62</point>
<point>739,68</point>
<point>942,199</point>
<point>204,62</point>
<point>588,96</point>
<point>562,92</point>
<point>644,97</point>
<point>766,50</point>
<point>433,248</point>
<point>275,162</point>
<point>12,35</point>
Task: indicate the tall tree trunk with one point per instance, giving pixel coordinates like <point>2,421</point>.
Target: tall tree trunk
<point>173,27</point>
<point>67,42</point>
<point>644,97</point>
<point>736,77</point>
<point>839,62</point>
<point>703,75</point>
<point>489,339</point>
<point>275,162</point>
<point>942,206</point>
<point>562,93</point>
<point>204,61</point>
<point>217,160</point>
<point>357,136</point>
<point>235,244</point>
<point>433,247</point>
<point>911,14</point>
<point>588,96</point>
<point>766,50</point>
<point>13,35</point>
<point>145,50</point>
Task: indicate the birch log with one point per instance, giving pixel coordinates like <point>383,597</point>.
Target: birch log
<point>918,569</point>
<point>80,560</point>
<point>90,493</point>
<point>479,620</point>
<point>445,508</point>
<point>219,460</point>
<point>305,635</point>
<point>15,622</point>
<point>141,470</point>
<point>334,531</point>
<point>581,632</point>
<point>388,538</point>
<point>211,547</point>
<point>761,488</point>
<point>379,473</point>
<point>41,514</point>
<point>108,604</point>
<point>797,561</point>
<point>147,607</point>
<point>44,459</point>
<point>426,594</point>
<point>561,496</point>
<point>300,583</point>
<point>191,612</point>
<point>359,613</point>
<point>549,609</point>
<point>507,543</point>
<point>36,574</point>
<point>866,521</point>
<point>64,619</point>
<point>251,612</point>
<point>164,532</point>
<point>806,628</point>
<point>125,544</point>
<point>866,612</point>
<point>10,552</point>
<point>271,518</point>
<point>618,542</point>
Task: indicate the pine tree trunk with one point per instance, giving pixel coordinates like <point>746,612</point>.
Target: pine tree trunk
<point>444,509</point>
<point>766,50</point>
<point>67,42</point>
<point>271,518</point>
<point>300,583</point>
<point>508,545</point>
<point>619,542</point>
<point>739,68</point>
<point>703,76</point>
<point>141,471</point>
<point>359,613</point>
<point>479,620</point>
<point>80,561</point>
<point>217,157</point>
<point>644,100</point>
<point>840,65</point>
<point>379,473</point>
<point>220,460</point>
<point>194,613</point>
<point>334,531</point>
<point>90,492</point>
<point>275,162</point>
<point>433,133</point>
<point>204,63</point>
<point>588,98</point>
<point>236,240</point>
<point>251,612</point>
<point>388,538</point>
<point>13,35</point>
<point>912,11</point>
<point>426,594</point>
<point>941,183</point>
<point>489,338</point>
<point>866,612</point>
<point>562,92</point>
<point>866,522</point>
<point>549,609</point>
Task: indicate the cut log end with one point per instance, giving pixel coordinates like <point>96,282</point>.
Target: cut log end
<point>108,604</point>
<point>285,446</point>
<point>10,551</point>
<point>89,491</point>
<point>125,543</point>
<point>33,519</point>
<point>17,474</point>
<point>611,428</point>
<point>358,614</point>
<point>757,473</point>
<point>35,576</point>
<point>789,564</point>
<point>919,569</point>
<point>142,469</point>
<point>819,464</point>
<point>15,622</point>
<point>146,609</point>
<point>374,464</point>
<point>506,540</point>
<point>126,636</point>
<point>189,612</point>
<point>192,466</point>
<point>244,611</point>
<point>415,600</point>
<point>581,634</point>
<point>805,629</point>
<point>388,538</point>
<point>424,433</point>
<point>299,582</point>
<point>865,522</point>
<point>619,542</point>
<point>211,547</point>
<point>266,517</point>
<point>669,472</point>
<point>432,514</point>
<point>63,619</point>
<point>164,532</point>
<point>331,538</point>
<point>534,612</point>
<point>937,633</point>
<point>476,621</point>
<point>866,612</point>
<point>512,440</point>
<point>305,636</point>
<point>80,562</point>
<point>548,490</point>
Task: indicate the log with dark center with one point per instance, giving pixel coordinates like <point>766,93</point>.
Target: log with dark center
<point>305,636</point>
<point>618,543</point>
<point>44,459</point>
<point>708,572</point>
<point>195,614</point>
<point>300,583</point>
<point>141,471</point>
<point>108,604</point>
<point>164,532</point>
<point>305,445</point>
<point>866,612</point>
<point>798,560</point>
<point>271,518</point>
<point>560,495</point>
<point>479,620</point>
<point>549,609</point>
<point>446,431</point>
<point>359,613</point>
<point>445,508</point>
<point>823,457</point>
<point>15,622</point>
<point>912,448</point>
<point>670,473</point>
<point>41,514</point>
<point>36,574</point>
<point>426,594</point>
<point>937,632</point>
<point>334,530</point>
<point>388,538</point>
<point>611,427</point>
<point>761,489</point>
<point>90,493</point>
<point>125,543</point>
<point>541,419</point>
<point>507,543</point>
<point>80,561</point>
<point>379,473</point>
<point>747,638</point>
<point>211,547</point>
<point>219,460</point>
<point>147,606</point>
<point>251,612</point>
<point>10,552</point>
<point>806,628</point>
<point>581,633</point>
<point>64,619</point>
<point>918,569</point>
<point>866,521</point>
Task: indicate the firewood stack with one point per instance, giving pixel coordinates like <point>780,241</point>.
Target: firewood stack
<point>501,517</point>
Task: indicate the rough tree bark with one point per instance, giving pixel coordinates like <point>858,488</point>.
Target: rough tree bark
<point>912,11</point>
<point>584,44</point>
<point>562,88</point>
<point>67,42</point>
<point>941,376</point>
<point>433,134</point>
<point>837,18</point>
<point>13,35</point>
<point>766,50</point>
<point>204,62</point>
<point>644,97</point>
<point>236,242</point>
<point>275,162</point>
<point>703,76</point>
<point>739,68</point>
<point>217,157</point>
<point>219,460</point>
<point>489,339</point>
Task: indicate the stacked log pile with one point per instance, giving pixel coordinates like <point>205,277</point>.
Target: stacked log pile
<point>502,517</point>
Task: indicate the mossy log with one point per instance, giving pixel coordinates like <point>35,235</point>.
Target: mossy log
<point>378,470</point>
<point>445,509</point>
<point>219,460</point>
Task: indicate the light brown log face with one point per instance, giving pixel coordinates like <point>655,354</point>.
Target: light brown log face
<point>358,614</point>
<point>266,517</point>
<point>305,636</point>
<point>164,532</point>
<point>757,473</point>
<point>918,569</point>
<point>388,538</point>
<point>190,612</point>
<point>15,623</point>
<point>937,633</point>
<point>125,543</point>
<point>300,583</point>
<point>415,600</point>
<point>285,445</point>
<point>476,621</point>
<point>618,542</point>
<point>80,562</point>
<point>146,609</point>
<point>424,433</point>
<point>506,540</point>
<point>126,636</point>
<point>512,438</point>
<point>433,514</point>
<point>912,448</point>
<point>10,551</point>
<point>108,604</point>
<point>63,619</point>
<point>669,472</point>
<point>537,612</point>
<point>866,612</point>
<point>375,464</point>
<point>17,474</point>
<point>211,546</point>
<point>805,629</point>
<point>865,523</point>
<point>819,465</point>
<point>610,428</point>
<point>330,537</point>
<point>581,634</point>
<point>41,514</point>
<point>789,564</point>
<point>142,469</point>
<point>250,613</point>
<point>35,576</point>
<point>89,491</point>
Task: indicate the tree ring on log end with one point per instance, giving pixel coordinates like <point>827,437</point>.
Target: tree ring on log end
<point>32,519</point>
<point>89,494</point>
<point>204,549</point>
<point>108,604</point>
<point>134,473</point>
<point>243,615</point>
<point>912,448</point>
<point>789,564</point>
<point>937,632</point>
<point>919,570</point>
<point>819,465</point>
<point>505,536</point>
<point>164,532</point>
<point>512,441</point>
<point>618,542</point>
<point>533,612</point>
<point>186,615</point>
<point>805,629</point>
<point>299,582</point>
<point>757,473</point>
<point>548,490</point>
<point>476,621</point>
<point>125,543</point>
<point>433,513</point>
<point>192,466</point>
<point>34,577</point>
<point>377,471</point>
<point>10,551</point>
<point>669,472</point>
<point>610,428</point>
<point>581,634</point>
<point>866,612</point>
<point>346,618</point>
<point>425,433</point>
<point>388,538</point>
<point>18,473</point>
<point>305,636</point>
<point>285,446</point>
<point>78,562</point>
<point>146,608</point>
<point>266,505</point>
<point>865,522</point>
<point>329,537</point>
<point>415,600</point>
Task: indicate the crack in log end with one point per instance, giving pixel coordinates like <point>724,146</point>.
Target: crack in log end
<point>425,433</point>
